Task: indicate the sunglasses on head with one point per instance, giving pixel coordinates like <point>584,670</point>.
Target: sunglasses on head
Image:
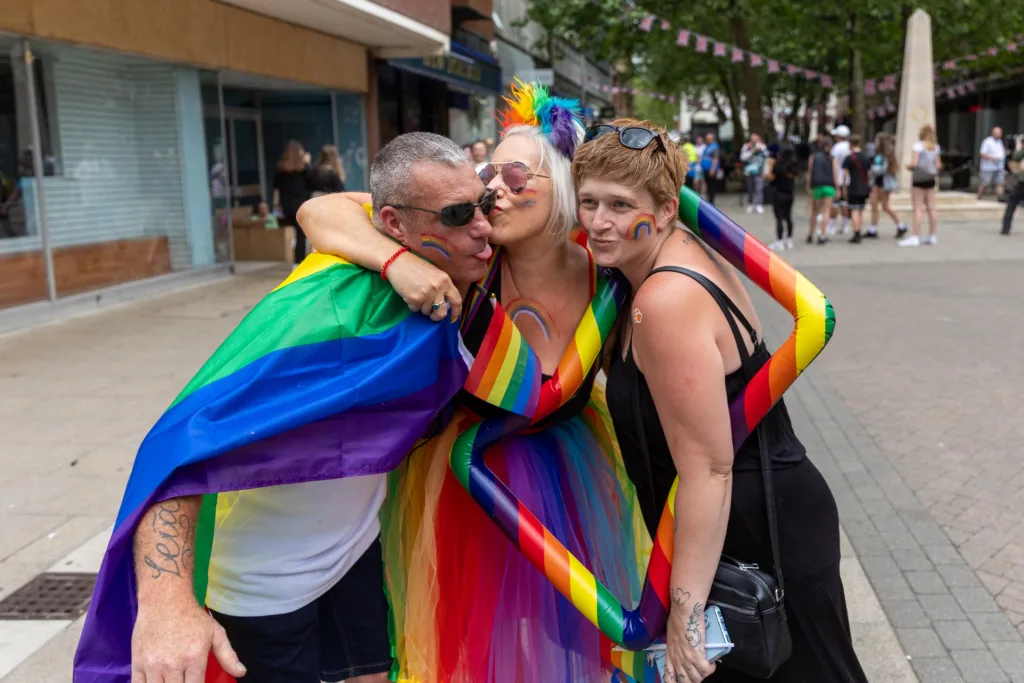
<point>515,174</point>
<point>457,215</point>
<point>633,137</point>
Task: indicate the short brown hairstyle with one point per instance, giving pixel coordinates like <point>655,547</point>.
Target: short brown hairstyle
<point>658,169</point>
<point>855,140</point>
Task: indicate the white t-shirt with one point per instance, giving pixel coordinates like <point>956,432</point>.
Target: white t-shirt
<point>279,548</point>
<point>700,150</point>
<point>993,148</point>
<point>840,151</point>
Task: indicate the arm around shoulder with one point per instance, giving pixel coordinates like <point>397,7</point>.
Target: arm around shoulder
<point>338,224</point>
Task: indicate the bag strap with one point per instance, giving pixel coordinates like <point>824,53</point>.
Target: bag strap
<point>728,308</point>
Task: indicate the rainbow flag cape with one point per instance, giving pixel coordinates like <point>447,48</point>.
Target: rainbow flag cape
<point>329,376</point>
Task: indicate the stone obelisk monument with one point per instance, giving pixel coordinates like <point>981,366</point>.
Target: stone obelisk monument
<point>917,91</point>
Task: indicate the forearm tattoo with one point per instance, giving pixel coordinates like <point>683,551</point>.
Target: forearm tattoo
<point>173,551</point>
<point>693,634</point>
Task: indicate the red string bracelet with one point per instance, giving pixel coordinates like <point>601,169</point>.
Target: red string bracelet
<point>384,268</point>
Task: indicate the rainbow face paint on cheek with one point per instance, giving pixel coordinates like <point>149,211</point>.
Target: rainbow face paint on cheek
<point>644,224</point>
<point>438,244</point>
<point>532,309</point>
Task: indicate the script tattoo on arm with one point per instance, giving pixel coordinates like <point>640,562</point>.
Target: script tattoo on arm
<point>172,553</point>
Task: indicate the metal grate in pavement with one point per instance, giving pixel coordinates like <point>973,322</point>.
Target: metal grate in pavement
<point>49,596</point>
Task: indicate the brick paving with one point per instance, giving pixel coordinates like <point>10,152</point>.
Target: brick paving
<point>912,414</point>
<point>916,413</point>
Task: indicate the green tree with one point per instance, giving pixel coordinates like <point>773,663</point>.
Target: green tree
<point>851,40</point>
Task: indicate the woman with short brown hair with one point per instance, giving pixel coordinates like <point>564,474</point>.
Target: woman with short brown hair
<point>680,359</point>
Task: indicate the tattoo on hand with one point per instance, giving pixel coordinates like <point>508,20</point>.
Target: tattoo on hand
<point>693,634</point>
<point>173,552</point>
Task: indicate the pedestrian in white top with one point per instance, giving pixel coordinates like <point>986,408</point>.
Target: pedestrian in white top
<point>993,163</point>
<point>840,150</point>
<point>753,155</point>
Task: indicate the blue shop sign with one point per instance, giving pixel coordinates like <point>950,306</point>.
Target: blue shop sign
<point>459,70</point>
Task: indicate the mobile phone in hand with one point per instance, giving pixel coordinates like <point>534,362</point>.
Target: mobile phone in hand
<point>716,641</point>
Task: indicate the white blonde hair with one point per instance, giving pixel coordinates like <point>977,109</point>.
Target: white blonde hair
<point>563,192</point>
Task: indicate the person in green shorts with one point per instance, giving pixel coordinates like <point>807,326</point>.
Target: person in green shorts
<point>821,185</point>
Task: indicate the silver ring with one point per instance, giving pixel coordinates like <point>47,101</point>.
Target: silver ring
<point>437,306</point>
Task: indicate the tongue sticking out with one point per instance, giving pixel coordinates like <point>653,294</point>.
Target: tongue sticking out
<point>485,254</point>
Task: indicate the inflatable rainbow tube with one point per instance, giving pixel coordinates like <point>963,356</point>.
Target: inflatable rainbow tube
<point>636,629</point>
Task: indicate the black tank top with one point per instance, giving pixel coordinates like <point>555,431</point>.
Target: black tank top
<point>473,334</point>
<point>821,171</point>
<point>653,474</point>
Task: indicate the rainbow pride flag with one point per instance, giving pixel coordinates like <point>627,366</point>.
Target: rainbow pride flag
<point>329,376</point>
<point>505,371</point>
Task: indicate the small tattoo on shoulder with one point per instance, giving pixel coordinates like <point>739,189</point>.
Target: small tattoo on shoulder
<point>637,315</point>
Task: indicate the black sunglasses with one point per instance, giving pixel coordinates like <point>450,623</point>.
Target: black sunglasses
<point>633,137</point>
<point>457,215</point>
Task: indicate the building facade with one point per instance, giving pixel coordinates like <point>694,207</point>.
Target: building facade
<point>452,93</point>
<point>133,133</point>
<point>525,52</point>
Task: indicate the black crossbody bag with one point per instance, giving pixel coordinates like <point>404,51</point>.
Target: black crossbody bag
<point>751,599</point>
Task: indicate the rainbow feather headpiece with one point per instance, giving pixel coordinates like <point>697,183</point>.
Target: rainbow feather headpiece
<point>557,117</point>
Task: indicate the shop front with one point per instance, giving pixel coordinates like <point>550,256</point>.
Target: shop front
<point>141,147</point>
<point>451,94</point>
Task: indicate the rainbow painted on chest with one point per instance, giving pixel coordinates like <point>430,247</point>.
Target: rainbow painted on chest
<point>532,309</point>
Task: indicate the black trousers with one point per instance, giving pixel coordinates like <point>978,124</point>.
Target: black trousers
<point>340,635</point>
<point>820,627</point>
<point>712,182</point>
<point>783,207</point>
<point>1012,200</point>
<point>300,238</point>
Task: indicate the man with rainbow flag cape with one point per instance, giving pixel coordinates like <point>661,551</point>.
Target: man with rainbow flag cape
<point>255,496</point>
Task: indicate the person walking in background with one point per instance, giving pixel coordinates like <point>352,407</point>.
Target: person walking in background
<point>857,166</point>
<point>699,179</point>
<point>883,171</point>
<point>925,167</point>
<point>480,152</point>
<point>709,162</point>
<point>840,210</point>
<point>690,154</point>
<point>293,185</point>
<point>328,176</point>
<point>781,173</point>
<point>1017,194</point>
<point>753,156</point>
<point>822,172</point>
<point>993,160</point>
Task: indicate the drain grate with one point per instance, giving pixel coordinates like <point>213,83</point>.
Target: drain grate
<point>50,596</point>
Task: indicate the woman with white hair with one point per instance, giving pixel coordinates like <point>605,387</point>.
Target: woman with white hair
<point>468,606</point>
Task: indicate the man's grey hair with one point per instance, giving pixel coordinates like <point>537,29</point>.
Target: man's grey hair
<point>390,175</point>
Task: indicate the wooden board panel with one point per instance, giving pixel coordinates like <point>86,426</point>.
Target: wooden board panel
<point>202,32</point>
<point>82,268</point>
<point>262,45</point>
<point>16,16</point>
